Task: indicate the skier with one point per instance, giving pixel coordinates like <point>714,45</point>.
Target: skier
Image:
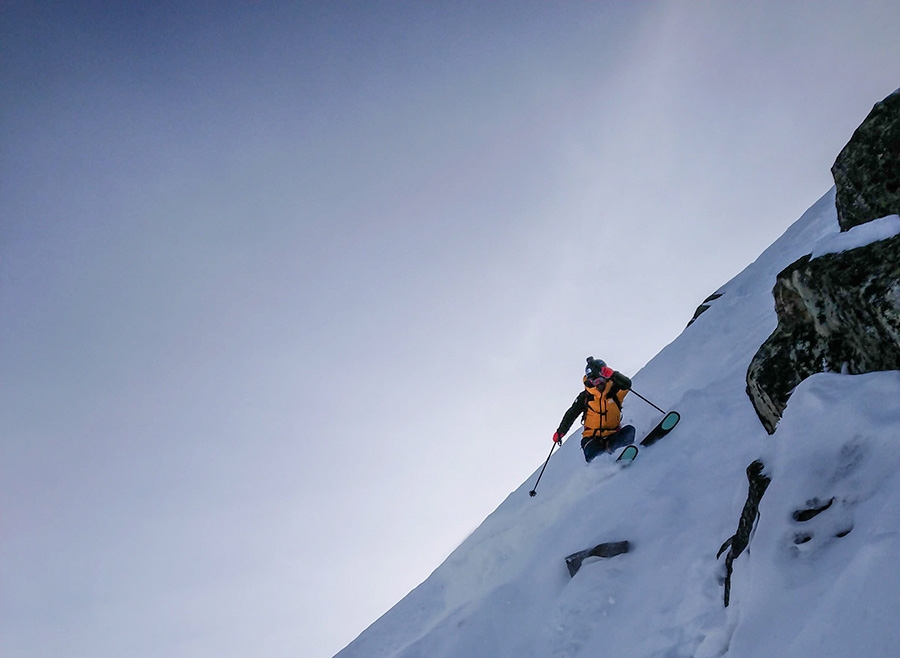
<point>600,406</point>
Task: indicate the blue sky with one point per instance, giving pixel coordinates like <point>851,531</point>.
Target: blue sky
<point>293,294</point>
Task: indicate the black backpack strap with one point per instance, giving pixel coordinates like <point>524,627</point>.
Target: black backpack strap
<point>613,391</point>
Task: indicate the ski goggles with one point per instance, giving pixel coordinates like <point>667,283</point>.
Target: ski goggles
<point>595,378</point>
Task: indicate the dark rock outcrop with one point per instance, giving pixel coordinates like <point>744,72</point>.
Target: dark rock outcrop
<point>736,544</point>
<point>867,171</point>
<point>704,307</point>
<point>839,312</point>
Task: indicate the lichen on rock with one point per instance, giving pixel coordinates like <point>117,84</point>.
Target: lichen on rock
<point>839,313</point>
<point>867,170</point>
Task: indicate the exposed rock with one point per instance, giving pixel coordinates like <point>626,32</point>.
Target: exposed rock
<point>839,312</point>
<point>758,483</point>
<point>867,171</point>
<point>704,307</point>
<point>609,549</point>
<point>814,508</point>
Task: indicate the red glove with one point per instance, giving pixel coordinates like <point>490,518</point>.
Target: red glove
<point>557,438</point>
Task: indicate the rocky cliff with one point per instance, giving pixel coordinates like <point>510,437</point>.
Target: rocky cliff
<point>867,170</point>
<point>840,312</point>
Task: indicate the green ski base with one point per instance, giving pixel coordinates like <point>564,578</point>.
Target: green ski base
<point>665,426</point>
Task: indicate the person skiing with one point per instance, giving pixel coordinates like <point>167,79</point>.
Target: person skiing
<point>600,406</point>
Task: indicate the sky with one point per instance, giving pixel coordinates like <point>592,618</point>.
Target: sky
<point>292,295</point>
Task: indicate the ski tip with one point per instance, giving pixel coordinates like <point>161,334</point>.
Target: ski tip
<point>628,454</point>
<point>670,421</point>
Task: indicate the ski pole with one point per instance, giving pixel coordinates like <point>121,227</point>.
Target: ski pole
<point>533,492</point>
<point>647,401</point>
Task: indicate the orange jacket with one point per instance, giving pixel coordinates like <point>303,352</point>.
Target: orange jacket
<point>600,409</point>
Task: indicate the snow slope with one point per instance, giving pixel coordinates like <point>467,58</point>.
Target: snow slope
<point>505,592</point>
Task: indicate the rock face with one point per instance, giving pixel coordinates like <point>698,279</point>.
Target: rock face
<point>839,312</point>
<point>867,171</point>
<point>704,307</point>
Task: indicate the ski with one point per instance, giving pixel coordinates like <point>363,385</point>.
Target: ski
<point>609,549</point>
<point>665,426</point>
<point>627,455</point>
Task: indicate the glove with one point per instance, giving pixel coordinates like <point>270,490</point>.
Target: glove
<point>557,438</point>
<point>621,380</point>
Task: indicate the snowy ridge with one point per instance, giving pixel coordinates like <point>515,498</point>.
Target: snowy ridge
<point>505,592</point>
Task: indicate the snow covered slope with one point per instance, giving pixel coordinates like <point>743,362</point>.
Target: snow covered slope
<point>505,592</point>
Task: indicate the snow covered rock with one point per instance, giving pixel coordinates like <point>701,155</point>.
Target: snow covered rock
<point>839,312</point>
<point>839,308</point>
